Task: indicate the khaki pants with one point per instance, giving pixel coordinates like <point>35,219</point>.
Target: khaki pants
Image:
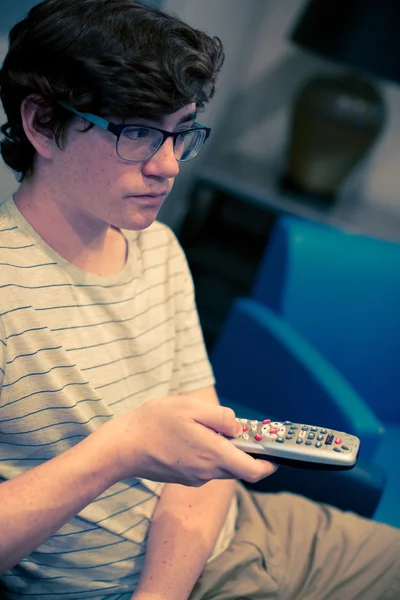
<point>289,548</point>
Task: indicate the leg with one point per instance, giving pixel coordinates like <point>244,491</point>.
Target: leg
<point>289,548</point>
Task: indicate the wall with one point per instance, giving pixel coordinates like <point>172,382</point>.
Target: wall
<point>254,97</point>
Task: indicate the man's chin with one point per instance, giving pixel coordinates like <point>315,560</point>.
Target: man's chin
<point>140,220</point>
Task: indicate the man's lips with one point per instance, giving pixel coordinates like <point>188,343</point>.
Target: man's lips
<point>148,199</point>
<point>152,194</point>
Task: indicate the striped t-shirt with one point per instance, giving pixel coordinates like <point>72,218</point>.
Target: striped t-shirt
<point>77,349</point>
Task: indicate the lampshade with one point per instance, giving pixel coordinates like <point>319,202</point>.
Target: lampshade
<point>364,34</point>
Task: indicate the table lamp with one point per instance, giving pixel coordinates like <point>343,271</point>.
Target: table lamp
<point>337,118</point>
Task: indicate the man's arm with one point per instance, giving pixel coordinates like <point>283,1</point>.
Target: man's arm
<point>37,503</point>
<point>185,528</point>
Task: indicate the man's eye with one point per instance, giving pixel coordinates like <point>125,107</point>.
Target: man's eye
<point>141,133</point>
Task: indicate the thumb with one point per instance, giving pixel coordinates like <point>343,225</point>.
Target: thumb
<point>220,418</point>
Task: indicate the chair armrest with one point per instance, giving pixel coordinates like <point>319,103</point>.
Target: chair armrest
<point>358,490</point>
<point>261,362</point>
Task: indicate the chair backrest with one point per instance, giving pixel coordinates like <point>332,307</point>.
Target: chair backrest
<point>342,291</point>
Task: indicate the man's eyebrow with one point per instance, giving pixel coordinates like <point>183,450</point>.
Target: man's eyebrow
<point>187,118</point>
<point>184,119</point>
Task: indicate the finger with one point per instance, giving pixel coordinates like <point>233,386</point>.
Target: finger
<point>265,469</point>
<point>242,466</point>
<point>258,470</point>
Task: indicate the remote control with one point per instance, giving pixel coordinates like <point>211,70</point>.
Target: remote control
<point>298,445</point>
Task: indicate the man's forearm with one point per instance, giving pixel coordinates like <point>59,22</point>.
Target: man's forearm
<point>36,504</point>
<point>184,530</point>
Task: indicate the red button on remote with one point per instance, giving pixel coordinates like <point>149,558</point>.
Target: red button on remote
<point>273,430</point>
<point>266,421</point>
<point>338,441</point>
<point>258,437</point>
<point>245,428</point>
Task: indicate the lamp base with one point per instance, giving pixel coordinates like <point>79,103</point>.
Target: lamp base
<point>286,184</point>
<point>336,120</point>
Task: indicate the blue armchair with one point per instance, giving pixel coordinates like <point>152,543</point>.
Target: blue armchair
<point>319,342</point>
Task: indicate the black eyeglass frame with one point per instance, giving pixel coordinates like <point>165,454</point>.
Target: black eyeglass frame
<point>117,129</point>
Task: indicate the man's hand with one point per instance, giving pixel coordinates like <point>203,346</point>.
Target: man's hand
<point>176,440</point>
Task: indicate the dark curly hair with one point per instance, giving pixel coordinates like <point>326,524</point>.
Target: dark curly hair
<point>114,58</point>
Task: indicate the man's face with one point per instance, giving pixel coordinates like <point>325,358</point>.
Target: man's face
<point>95,184</point>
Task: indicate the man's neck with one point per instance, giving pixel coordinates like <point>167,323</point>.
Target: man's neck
<point>96,248</point>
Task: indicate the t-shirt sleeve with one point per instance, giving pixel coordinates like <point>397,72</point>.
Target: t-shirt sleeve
<point>192,368</point>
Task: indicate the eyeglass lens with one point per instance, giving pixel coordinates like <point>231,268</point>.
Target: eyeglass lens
<point>140,143</point>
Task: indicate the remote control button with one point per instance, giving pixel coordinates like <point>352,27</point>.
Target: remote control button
<point>258,437</point>
<point>245,428</point>
<point>305,428</point>
<point>291,431</point>
<point>266,421</point>
<point>271,436</point>
<point>253,422</point>
<point>302,435</point>
<point>274,430</point>
<point>311,436</point>
<point>280,440</point>
<point>320,437</point>
<point>299,441</point>
<point>324,431</point>
<point>245,436</point>
<point>318,444</point>
<point>254,427</point>
<point>329,439</point>
<point>289,437</point>
<point>276,424</point>
<point>265,429</point>
<point>314,428</point>
<point>242,421</point>
<point>308,443</point>
<point>336,449</point>
<point>287,423</point>
<point>338,441</point>
<point>282,432</point>
<point>345,448</point>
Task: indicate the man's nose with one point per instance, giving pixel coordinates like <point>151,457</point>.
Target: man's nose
<point>163,163</point>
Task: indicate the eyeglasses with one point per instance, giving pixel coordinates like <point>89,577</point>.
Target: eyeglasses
<point>137,143</point>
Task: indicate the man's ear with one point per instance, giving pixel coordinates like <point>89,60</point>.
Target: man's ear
<point>34,118</point>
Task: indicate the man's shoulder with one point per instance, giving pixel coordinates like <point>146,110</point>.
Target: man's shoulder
<point>7,223</point>
<point>17,247</point>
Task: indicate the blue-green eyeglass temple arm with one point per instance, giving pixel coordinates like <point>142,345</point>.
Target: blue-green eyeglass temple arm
<point>103,123</point>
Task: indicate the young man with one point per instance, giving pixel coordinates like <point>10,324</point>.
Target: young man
<point>106,386</point>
